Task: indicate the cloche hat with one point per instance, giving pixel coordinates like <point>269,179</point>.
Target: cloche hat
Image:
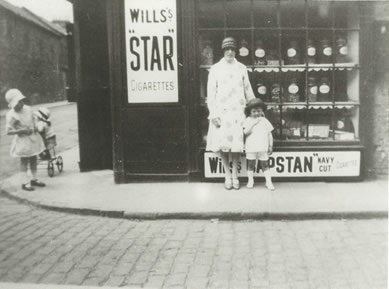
<point>13,96</point>
<point>229,42</point>
<point>253,103</point>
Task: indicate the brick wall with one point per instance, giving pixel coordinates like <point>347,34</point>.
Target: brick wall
<point>32,59</point>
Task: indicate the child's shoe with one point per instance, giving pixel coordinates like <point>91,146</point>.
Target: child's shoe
<point>270,186</point>
<point>27,187</point>
<point>250,184</point>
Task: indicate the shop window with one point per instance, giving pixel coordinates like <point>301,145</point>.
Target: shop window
<point>302,57</point>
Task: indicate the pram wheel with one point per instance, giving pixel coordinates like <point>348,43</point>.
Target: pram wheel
<point>59,163</point>
<point>50,168</point>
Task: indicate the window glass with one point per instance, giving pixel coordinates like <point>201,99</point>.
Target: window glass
<point>345,124</point>
<point>238,13</point>
<point>292,13</point>
<point>273,114</point>
<point>293,47</point>
<point>346,15</point>
<point>294,87</point>
<point>320,123</point>
<point>319,48</point>
<point>293,123</point>
<point>266,48</point>
<point>210,47</point>
<point>265,13</point>
<point>211,13</point>
<point>320,14</point>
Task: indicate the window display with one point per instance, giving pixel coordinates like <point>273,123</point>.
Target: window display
<point>302,57</point>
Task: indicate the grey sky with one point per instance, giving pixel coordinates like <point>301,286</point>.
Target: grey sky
<point>49,9</point>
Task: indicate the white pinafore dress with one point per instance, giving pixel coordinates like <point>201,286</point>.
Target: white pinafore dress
<point>24,145</point>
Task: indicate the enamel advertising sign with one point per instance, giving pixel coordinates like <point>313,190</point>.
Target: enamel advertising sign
<point>151,50</point>
<point>295,164</point>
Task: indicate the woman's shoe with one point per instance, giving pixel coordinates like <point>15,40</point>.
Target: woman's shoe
<point>27,187</point>
<point>37,183</point>
<point>235,184</point>
<point>228,184</point>
<point>250,184</point>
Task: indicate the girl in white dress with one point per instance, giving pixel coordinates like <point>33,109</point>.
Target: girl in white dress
<point>228,92</point>
<point>27,143</point>
<point>259,141</point>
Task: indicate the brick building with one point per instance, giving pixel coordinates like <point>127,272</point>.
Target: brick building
<point>33,56</point>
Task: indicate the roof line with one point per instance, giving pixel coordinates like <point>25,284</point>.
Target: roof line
<point>31,17</point>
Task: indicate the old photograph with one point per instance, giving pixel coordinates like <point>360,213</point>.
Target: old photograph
<point>194,144</point>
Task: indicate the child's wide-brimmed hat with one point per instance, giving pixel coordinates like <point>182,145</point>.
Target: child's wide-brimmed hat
<point>44,113</point>
<point>254,103</point>
<point>229,42</point>
<point>13,96</point>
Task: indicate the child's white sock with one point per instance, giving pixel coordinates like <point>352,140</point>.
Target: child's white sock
<point>250,182</point>
<point>269,183</point>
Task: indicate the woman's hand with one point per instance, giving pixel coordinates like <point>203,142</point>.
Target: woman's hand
<point>270,150</point>
<point>216,122</point>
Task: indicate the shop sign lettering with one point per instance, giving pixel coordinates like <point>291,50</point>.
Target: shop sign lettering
<point>295,164</point>
<point>151,51</point>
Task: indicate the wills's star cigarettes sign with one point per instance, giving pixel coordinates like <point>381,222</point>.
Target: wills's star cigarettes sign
<point>151,50</point>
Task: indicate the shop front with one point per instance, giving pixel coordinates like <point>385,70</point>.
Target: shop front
<point>305,60</point>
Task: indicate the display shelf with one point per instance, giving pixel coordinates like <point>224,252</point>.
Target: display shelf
<point>297,68</point>
<point>346,104</point>
<point>293,67</point>
<point>346,65</point>
<point>315,105</point>
<point>321,105</point>
<point>266,68</point>
<point>287,105</point>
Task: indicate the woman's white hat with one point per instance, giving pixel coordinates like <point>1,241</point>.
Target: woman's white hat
<point>13,96</point>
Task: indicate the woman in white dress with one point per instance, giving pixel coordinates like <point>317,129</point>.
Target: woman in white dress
<point>228,92</point>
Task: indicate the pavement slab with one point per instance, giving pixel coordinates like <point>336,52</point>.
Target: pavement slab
<point>96,193</point>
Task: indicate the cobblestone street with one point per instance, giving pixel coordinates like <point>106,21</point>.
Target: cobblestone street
<point>39,246</point>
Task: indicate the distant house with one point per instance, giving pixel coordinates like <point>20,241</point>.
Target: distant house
<point>33,56</point>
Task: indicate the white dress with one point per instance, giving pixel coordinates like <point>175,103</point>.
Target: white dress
<point>258,140</point>
<point>228,91</point>
<point>24,145</point>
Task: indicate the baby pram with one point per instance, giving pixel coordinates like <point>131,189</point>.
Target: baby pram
<point>50,156</point>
